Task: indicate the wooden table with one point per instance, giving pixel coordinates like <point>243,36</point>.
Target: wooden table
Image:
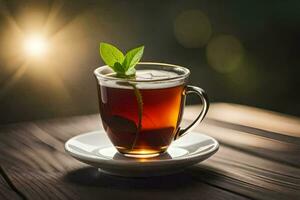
<point>259,158</point>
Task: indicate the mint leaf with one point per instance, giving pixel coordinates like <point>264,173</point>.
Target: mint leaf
<point>133,57</point>
<point>130,72</point>
<point>115,59</point>
<point>118,68</point>
<point>111,54</point>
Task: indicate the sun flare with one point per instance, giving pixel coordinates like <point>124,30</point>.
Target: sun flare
<point>35,45</point>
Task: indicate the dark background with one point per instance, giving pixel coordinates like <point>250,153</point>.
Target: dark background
<point>244,52</point>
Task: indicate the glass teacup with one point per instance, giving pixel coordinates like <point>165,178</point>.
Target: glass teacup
<point>142,115</point>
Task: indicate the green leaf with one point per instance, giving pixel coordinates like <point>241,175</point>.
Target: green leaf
<point>122,65</point>
<point>133,57</point>
<point>130,72</point>
<point>111,54</point>
<point>118,68</point>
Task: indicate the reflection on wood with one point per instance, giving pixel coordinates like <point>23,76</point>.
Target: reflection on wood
<point>249,164</point>
<point>254,117</point>
<point>272,145</point>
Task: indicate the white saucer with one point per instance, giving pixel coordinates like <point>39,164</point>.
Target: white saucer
<point>95,149</point>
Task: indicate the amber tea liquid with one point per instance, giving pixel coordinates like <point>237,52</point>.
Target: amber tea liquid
<point>136,128</point>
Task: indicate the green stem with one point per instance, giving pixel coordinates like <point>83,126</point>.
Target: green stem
<point>139,99</point>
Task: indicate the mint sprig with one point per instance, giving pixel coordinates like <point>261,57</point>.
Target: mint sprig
<point>124,66</point>
<point>115,59</point>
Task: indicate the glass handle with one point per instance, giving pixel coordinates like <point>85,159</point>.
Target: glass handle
<point>200,92</point>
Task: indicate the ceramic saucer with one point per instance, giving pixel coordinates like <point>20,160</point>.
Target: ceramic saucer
<point>94,148</point>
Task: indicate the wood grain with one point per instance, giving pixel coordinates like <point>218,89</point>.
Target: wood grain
<point>263,143</point>
<point>89,183</point>
<point>255,117</point>
<point>249,165</point>
<point>6,192</point>
<point>45,171</point>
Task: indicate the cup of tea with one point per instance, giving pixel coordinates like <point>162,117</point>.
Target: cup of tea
<point>142,115</point>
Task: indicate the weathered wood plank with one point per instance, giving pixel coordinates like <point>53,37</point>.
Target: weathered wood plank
<point>254,117</point>
<point>270,145</point>
<point>250,175</point>
<point>6,191</point>
<point>88,183</point>
<point>249,164</point>
<point>272,149</point>
<point>42,185</point>
<point>36,162</point>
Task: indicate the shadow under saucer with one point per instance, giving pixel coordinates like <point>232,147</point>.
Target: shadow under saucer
<point>90,176</point>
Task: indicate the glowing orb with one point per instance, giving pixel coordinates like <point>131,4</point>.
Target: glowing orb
<point>225,53</point>
<point>35,45</point>
<point>192,29</point>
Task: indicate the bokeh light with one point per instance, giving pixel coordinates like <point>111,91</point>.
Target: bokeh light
<point>225,53</point>
<point>245,80</point>
<point>192,29</point>
<point>35,45</point>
